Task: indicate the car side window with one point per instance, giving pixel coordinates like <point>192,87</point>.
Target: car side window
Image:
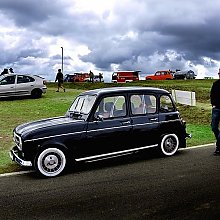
<point>24,79</point>
<point>8,80</point>
<point>143,104</point>
<point>166,104</point>
<point>112,107</point>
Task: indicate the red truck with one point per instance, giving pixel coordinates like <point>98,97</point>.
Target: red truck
<point>125,76</point>
<point>76,77</point>
<point>161,75</point>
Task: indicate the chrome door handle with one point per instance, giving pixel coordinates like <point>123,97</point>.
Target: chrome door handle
<point>153,119</point>
<point>125,122</point>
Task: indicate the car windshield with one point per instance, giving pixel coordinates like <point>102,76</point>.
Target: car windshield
<point>82,105</point>
<point>1,77</point>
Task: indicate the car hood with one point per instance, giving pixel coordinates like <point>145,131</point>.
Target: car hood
<point>45,123</point>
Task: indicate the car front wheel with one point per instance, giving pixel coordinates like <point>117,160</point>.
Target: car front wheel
<point>169,144</point>
<point>50,162</point>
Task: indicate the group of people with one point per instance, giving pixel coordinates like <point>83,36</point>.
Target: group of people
<point>59,79</point>
<point>91,76</point>
<point>6,71</point>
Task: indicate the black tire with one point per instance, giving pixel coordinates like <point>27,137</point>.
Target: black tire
<point>169,144</point>
<point>50,162</point>
<point>36,93</point>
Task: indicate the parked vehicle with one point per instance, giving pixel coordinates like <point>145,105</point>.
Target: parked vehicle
<point>161,75</point>
<point>188,74</point>
<point>125,76</point>
<point>76,77</point>
<point>101,124</point>
<point>95,79</point>
<point>22,85</point>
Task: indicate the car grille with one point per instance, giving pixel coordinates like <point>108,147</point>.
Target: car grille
<point>17,140</point>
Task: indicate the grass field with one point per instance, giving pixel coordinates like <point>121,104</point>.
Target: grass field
<point>17,111</point>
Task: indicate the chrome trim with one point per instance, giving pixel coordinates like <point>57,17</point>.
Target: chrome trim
<point>58,135</point>
<point>97,130</point>
<point>17,159</point>
<point>17,142</point>
<point>77,132</point>
<point>115,153</point>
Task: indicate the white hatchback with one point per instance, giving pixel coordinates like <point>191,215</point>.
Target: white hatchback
<point>22,85</point>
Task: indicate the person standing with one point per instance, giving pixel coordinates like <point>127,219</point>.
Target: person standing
<point>5,71</point>
<point>91,76</point>
<point>11,70</point>
<point>215,102</point>
<point>59,78</point>
<point>100,77</point>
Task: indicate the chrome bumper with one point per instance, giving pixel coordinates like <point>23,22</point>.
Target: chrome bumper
<point>188,135</point>
<point>17,159</point>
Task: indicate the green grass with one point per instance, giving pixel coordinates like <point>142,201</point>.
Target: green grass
<point>17,111</point>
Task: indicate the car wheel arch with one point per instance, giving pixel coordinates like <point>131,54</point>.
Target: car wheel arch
<point>59,152</point>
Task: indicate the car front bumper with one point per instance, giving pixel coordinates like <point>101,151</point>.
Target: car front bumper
<point>15,157</point>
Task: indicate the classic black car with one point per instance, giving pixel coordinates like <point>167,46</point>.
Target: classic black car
<point>101,124</point>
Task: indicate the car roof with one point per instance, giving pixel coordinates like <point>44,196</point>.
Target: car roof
<point>131,89</point>
<point>22,74</point>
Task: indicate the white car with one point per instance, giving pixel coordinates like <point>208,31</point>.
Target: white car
<point>95,79</point>
<point>22,85</point>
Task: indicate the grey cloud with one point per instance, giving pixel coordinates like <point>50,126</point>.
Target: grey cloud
<point>188,28</point>
<point>26,12</point>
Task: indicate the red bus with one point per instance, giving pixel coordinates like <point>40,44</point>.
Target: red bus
<point>125,76</point>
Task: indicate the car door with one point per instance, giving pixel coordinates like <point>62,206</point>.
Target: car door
<point>169,116</point>
<point>144,116</point>
<point>7,86</point>
<point>109,132</point>
<point>24,85</point>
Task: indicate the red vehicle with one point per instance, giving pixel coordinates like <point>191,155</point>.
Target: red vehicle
<point>125,76</point>
<point>76,77</point>
<point>161,75</point>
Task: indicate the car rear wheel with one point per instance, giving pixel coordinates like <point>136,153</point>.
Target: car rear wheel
<point>36,93</point>
<point>169,144</point>
<point>50,162</point>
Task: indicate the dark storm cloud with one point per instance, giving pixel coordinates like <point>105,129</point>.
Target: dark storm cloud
<point>140,34</point>
<point>26,12</point>
<point>11,56</point>
<point>190,30</point>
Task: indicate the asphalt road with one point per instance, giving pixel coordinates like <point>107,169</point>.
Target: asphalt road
<point>185,186</point>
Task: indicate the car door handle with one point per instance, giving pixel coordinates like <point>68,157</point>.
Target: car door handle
<point>125,122</point>
<point>153,119</point>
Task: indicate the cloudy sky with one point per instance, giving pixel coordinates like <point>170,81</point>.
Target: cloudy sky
<point>108,35</point>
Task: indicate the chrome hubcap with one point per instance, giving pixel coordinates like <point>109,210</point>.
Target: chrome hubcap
<point>51,162</point>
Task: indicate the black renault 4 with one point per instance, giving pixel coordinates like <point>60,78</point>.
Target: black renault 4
<point>101,124</point>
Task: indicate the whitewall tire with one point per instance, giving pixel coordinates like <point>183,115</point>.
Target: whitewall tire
<point>50,162</point>
<point>169,144</point>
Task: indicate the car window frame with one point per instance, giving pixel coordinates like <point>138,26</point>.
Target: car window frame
<point>99,100</point>
<point>15,80</point>
<point>147,113</point>
<point>32,79</point>
<point>166,110</point>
